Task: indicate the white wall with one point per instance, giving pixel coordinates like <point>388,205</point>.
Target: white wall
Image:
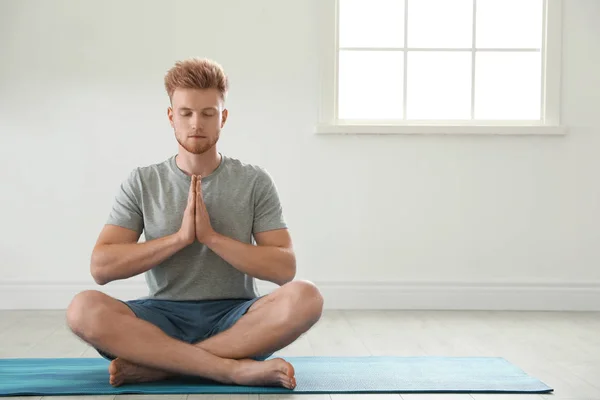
<point>385,221</point>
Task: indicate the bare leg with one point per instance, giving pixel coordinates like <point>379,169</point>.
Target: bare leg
<point>272,323</point>
<point>142,343</point>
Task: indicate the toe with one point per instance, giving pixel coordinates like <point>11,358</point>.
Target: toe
<point>285,381</point>
<point>115,380</point>
<point>112,367</point>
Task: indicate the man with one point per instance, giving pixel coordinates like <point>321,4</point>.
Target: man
<point>212,225</point>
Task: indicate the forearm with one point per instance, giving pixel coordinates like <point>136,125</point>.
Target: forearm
<point>112,262</point>
<point>269,263</point>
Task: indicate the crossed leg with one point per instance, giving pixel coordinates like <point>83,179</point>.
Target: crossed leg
<point>272,323</point>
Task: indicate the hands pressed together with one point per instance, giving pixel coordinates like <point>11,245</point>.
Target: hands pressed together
<point>196,221</point>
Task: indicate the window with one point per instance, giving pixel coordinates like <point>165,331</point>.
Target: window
<point>442,66</point>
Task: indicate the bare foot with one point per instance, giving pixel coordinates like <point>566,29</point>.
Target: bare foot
<point>275,372</point>
<point>122,372</point>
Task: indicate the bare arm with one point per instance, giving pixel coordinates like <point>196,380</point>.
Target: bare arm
<point>273,258</point>
<point>117,255</point>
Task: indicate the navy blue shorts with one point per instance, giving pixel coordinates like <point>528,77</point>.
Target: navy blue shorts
<point>190,321</point>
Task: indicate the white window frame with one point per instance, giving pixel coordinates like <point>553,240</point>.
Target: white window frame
<point>551,81</point>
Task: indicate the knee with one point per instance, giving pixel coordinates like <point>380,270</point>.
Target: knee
<point>85,313</point>
<point>306,300</point>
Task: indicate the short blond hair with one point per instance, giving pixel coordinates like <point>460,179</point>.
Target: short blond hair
<point>197,73</point>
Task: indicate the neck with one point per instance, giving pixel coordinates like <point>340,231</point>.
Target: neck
<point>198,164</point>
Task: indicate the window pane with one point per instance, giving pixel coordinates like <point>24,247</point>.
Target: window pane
<point>373,23</point>
<point>370,84</point>
<point>509,23</point>
<point>440,23</point>
<point>508,85</point>
<point>439,85</point>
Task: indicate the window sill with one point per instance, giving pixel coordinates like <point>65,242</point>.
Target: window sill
<point>422,129</point>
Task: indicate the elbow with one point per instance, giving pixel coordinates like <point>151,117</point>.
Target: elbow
<point>289,273</point>
<point>98,271</point>
<point>99,277</point>
<point>292,272</point>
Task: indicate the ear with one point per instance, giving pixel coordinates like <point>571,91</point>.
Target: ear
<point>224,116</point>
<point>170,115</point>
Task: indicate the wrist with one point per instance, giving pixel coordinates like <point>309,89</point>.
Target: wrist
<point>211,239</point>
<point>181,240</point>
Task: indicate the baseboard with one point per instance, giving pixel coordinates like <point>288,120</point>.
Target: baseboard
<point>352,295</point>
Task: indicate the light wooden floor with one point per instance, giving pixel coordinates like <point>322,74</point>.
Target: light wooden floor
<point>561,349</point>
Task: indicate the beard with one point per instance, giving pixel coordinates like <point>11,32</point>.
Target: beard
<point>197,146</point>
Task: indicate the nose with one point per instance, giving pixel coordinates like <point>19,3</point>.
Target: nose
<point>197,123</point>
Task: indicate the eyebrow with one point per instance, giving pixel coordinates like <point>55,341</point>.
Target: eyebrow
<point>204,109</point>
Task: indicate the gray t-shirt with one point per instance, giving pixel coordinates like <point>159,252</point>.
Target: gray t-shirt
<point>241,200</point>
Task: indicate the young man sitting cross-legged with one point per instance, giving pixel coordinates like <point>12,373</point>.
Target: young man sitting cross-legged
<point>212,225</point>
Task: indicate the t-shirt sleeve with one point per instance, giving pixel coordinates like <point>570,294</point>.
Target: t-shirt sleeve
<point>127,210</point>
<point>268,212</point>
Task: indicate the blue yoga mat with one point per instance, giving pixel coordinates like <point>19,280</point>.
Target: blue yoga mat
<point>89,376</point>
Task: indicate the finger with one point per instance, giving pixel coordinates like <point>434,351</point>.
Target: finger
<point>198,196</point>
<point>192,193</point>
<point>199,188</point>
